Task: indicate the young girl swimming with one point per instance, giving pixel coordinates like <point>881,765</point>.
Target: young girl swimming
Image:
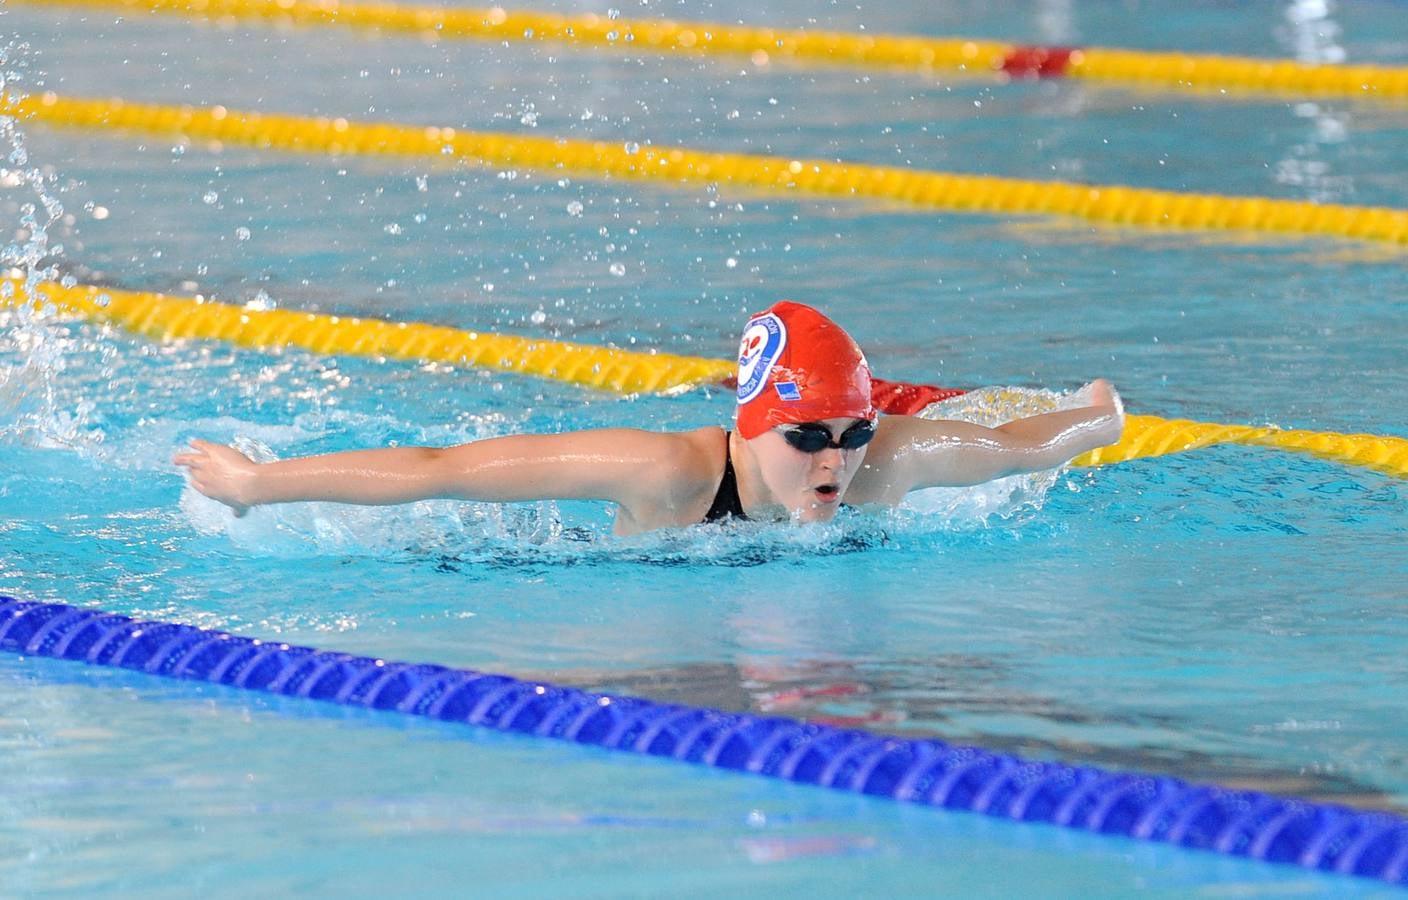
<point>808,438</point>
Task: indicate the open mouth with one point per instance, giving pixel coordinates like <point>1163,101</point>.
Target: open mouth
<point>827,492</point>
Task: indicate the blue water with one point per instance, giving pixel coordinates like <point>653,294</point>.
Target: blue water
<point>1230,615</point>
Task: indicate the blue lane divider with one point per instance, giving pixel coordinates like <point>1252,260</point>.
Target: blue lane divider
<point>1207,817</point>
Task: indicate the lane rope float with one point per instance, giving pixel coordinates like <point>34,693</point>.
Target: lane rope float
<point>1150,436</point>
<point>161,317</point>
<point>927,772</point>
<point>761,45</point>
<point>930,190</point>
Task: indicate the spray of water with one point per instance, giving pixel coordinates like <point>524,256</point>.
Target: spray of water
<point>1004,498</point>
<point>32,344</point>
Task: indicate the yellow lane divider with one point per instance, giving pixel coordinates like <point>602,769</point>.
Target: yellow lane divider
<point>925,189</point>
<point>763,45</point>
<point>162,317</point>
<point>622,371</point>
<point>1152,436</point>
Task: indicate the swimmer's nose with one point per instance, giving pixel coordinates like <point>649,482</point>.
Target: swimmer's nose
<point>830,458</point>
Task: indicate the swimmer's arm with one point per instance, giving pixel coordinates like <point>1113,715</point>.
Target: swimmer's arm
<point>609,464</point>
<point>956,454</point>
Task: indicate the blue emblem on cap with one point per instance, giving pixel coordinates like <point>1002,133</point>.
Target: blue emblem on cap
<point>788,390</point>
<point>762,344</point>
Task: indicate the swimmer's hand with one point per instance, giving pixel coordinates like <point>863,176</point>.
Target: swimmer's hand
<point>1104,396</point>
<point>220,473</point>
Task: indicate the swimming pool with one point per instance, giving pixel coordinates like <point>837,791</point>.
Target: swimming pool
<point>1229,615</point>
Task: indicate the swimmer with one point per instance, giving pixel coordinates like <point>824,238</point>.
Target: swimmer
<point>807,439</point>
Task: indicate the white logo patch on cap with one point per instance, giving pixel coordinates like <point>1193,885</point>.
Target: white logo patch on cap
<point>763,342</point>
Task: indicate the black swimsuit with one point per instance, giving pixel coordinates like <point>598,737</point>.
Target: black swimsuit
<point>726,505</point>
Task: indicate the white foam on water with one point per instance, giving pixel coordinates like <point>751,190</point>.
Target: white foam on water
<point>1004,498</point>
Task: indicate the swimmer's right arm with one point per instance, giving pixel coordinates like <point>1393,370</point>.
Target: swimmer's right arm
<point>920,453</point>
<point>617,464</point>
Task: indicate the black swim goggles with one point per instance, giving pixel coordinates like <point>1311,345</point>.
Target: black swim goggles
<point>814,437</point>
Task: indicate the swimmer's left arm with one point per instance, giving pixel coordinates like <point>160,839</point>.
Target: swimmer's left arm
<point>921,453</point>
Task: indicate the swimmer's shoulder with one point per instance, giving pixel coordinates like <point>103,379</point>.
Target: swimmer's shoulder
<point>893,435</point>
<point>698,463</point>
<point>678,487</point>
<point>884,477</point>
<point>698,450</point>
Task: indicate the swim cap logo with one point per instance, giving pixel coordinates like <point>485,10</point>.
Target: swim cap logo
<point>763,341</point>
<point>788,390</point>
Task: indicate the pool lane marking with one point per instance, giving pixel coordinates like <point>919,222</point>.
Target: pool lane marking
<point>1214,74</point>
<point>1148,436</point>
<point>931,190</point>
<point>925,771</point>
<point>162,317</point>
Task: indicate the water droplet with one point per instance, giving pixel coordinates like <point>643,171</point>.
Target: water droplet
<point>617,269</point>
<point>261,302</point>
<point>574,208</point>
<point>731,263</point>
<point>632,148</point>
<point>423,183</point>
<point>210,198</point>
<point>393,228</point>
<point>613,14</point>
<point>538,317</point>
<point>242,233</point>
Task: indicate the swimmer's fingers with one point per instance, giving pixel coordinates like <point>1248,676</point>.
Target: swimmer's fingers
<point>1102,393</point>
<point>203,452</point>
<point>208,466</point>
<point>198,452</point>
<point>1105,394</point>
<point>199,482</point>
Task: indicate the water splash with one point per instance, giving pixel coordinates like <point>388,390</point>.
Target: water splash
<point>1004,498</point>
<point>32,344</point>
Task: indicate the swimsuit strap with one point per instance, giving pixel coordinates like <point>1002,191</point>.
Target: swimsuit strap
<point>727,504</point>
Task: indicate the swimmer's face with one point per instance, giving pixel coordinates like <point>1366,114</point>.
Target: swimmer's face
<point>811,485</point>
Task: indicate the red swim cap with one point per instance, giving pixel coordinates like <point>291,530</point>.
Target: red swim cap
<point>796,365</point>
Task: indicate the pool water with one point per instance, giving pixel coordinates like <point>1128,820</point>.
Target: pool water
<point>1233,615</point>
